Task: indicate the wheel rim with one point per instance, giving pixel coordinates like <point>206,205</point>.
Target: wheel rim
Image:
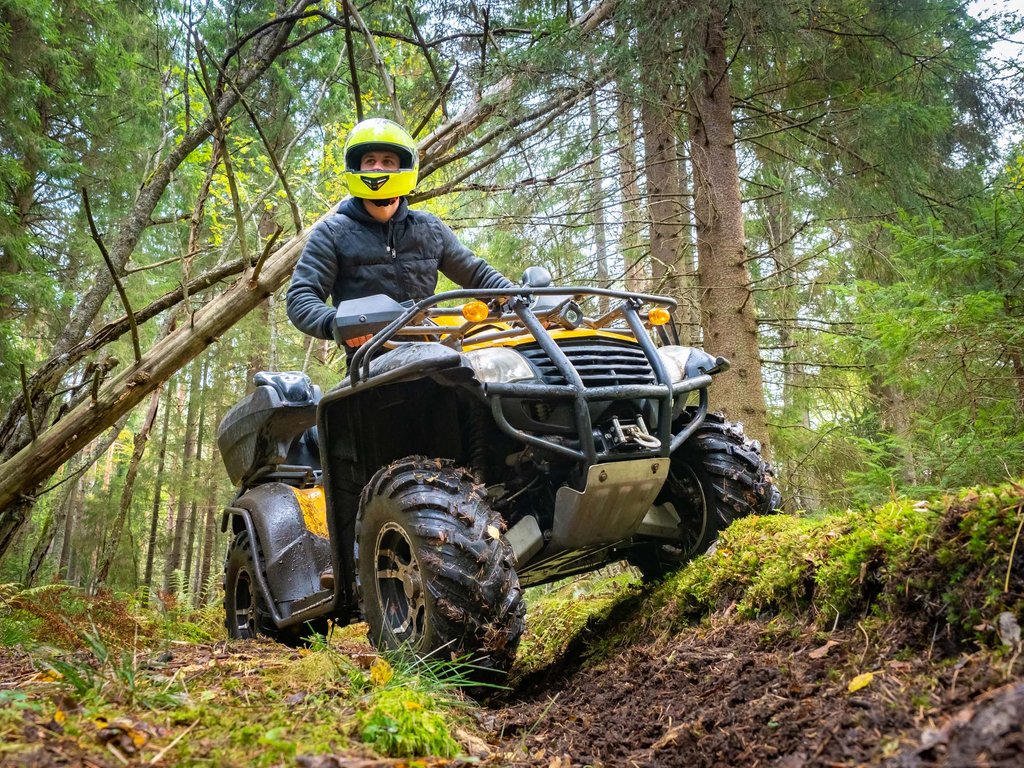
<point>400,588</point>
<point>693,514</point>
<point>245,606</point>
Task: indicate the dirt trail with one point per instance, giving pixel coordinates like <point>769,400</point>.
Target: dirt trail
<point>764,694</point>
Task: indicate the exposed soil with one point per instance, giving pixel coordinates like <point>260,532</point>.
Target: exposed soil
<point>757,694</point>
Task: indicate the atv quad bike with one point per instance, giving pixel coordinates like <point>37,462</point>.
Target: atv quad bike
<point>474,451</point>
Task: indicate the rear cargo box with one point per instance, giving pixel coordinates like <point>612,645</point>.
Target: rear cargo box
<point>259,430</point>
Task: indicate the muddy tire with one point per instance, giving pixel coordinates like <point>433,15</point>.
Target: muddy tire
<point>716,477</point>
<point>432,574</point>
<point>245,610</point>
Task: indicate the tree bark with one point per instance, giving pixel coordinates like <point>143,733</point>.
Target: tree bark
<point>55,522</point>
<point>597,198</point>
<point>173,562</point>
<point>127,492</point>
<point>635,268</point>
<point>729,323</point>
<point>669,275</point>
<point>197,473</point>
<point>65,565</point>
<point>213,488</point>
<point>157,493</point>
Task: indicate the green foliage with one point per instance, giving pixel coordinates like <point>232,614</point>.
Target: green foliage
<point>402,722</point>
<point>107,678</point>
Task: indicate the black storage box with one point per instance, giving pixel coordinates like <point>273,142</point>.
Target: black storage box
<point>260,429</point>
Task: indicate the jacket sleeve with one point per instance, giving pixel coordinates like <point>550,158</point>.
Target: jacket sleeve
<point>464,267</point>
<point>312,284</point>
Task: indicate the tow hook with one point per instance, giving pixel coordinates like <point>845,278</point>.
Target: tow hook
<point>636,433</point>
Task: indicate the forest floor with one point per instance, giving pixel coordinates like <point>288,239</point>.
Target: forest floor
<point>907,656</point>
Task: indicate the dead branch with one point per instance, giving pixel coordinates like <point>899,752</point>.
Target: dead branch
<point>378,61</point>
<point>563,98</point>
<point>271,155</point>
<point>441,89</point>
<point>136,348</point>
<point>353,72</point>
<point>221,134</point>
<point>255,278</point>
<point>438,101</point>
<point>518,139</point>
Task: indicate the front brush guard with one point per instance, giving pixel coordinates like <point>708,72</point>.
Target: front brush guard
<point>664,392</point>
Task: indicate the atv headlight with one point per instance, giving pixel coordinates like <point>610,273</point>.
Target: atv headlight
<point>674,359</point>
<point>499,365</point>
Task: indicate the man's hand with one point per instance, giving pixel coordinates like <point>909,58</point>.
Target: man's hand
<point>358,341</point>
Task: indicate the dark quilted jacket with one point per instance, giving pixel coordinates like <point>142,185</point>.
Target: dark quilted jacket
<point>351,255</point>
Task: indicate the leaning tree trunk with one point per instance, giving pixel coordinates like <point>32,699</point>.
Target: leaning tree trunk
<point>730,326</point>
<point>127,492</point>
<point>57,522</point>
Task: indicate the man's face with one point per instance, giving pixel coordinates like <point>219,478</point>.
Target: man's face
<point>379,160</point>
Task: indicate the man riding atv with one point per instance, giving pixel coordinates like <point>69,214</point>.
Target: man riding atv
<point>375,244</point>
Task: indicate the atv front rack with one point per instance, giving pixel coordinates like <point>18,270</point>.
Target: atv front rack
<point>410,325</point>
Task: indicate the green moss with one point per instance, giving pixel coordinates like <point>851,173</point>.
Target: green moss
<point>558,615</point>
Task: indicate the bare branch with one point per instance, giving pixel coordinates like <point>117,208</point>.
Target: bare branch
<point>441,89</point>
<point>220,132</point>
<point>255,278</point>
<point>136,348</point>
<point>438,101</point>
<point>353,72</point>
<point>271,155</point>
<point>382,69</point>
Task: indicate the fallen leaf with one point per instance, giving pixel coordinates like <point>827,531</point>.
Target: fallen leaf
<point>474,745</point>
<point>822,652</point>
<point>860,681</point>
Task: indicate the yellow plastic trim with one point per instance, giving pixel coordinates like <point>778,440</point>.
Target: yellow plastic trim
<point>313,504</point>
<point>558,335</point>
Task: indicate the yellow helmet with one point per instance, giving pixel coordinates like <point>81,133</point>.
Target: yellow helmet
<point>378,133</point>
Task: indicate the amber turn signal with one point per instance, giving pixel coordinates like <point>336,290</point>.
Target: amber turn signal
<point>658,316</point>
<point>475,311</point>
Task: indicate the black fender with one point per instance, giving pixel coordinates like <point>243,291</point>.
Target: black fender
<point>292,557</point>
<point>342,416</point>
<point>407,361</point>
